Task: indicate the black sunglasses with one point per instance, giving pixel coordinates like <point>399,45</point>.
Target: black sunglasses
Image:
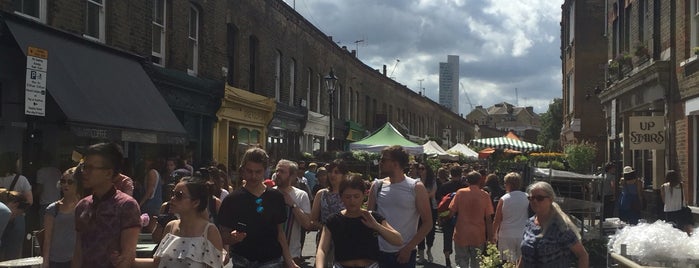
<point>538,198</point>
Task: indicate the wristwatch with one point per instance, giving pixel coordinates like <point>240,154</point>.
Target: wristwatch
<point>294,205</point>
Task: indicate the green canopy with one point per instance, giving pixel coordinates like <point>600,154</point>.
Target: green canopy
<point>384,137</point>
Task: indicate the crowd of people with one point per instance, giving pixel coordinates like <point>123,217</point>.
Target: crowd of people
<point>201,218</point>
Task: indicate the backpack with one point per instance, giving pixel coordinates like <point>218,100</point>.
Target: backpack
<point>443,207</point>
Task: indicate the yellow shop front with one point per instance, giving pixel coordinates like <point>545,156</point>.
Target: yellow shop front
<point>242,124</point>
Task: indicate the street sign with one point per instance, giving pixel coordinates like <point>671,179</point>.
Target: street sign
<point>35,82</point>
<point>646,132</point>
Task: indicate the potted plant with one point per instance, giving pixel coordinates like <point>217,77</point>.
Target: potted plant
<point>695,50</point>
<point>641,51</point>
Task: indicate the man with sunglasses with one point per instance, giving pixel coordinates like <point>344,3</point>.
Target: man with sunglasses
<point>474,222</point>
<point>108,221</point>
<point>251,218</point>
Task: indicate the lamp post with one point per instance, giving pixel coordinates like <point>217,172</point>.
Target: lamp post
<point>330,82</point>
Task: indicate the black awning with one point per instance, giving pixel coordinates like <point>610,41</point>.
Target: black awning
<point>97,85</point>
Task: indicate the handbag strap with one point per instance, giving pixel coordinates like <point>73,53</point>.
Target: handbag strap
<point>14,182</point>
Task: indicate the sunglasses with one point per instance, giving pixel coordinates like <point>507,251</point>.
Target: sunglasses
<point>65,181</point>
<point>538,198</point>
<point>259,208</point>
<point>179,195</point>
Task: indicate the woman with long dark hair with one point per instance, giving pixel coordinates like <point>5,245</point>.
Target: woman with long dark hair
<point>672,194</point>
<point>354,231</point>
<point>191,240</point>
<point>328,201</point>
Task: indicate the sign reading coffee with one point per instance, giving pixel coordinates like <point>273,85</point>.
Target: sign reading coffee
<point>647,133</point>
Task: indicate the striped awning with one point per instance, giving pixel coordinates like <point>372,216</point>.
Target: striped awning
<point>506,143</point>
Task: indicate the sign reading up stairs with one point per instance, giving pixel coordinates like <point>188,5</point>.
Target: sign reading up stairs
<point>647,133</point>
<point>35,83</point>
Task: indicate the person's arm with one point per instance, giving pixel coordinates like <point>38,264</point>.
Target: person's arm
<point>371,200</point>
<point>323,247</point>
<point>155,261</point>
<point>298,209</point>
<point>129,240</point>
<point>612,185</point>
<point>281,238</point>
<point>128,187</point>
<point>662,193</point>
<point>579,250</point>
<point>315,210</point>
<point>150,186</point>
<point>48,235</point>
<point>497,221</point>
<point>158,232</point>
<point>423,208</point>
<point>215,237</point>
<point>432,192</point>
<point>77,253</point>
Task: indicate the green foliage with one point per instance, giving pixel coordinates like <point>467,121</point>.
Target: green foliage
<point>492,259</point>
<point>521,159</point>
<point>580,156</point>
<point>364,156</point>
<point>597,251</point>
<point>435,164</point>
<point>552,164</point>
<point>551,124</point>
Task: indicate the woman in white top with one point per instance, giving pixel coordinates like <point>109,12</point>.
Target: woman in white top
<point>191,241</point>
<point>511,216</point>
<point>672,194</point>
<point>10,179</point>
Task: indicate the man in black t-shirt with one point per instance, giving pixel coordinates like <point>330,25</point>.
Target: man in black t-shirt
<point>251,218</point>
<point>454,184</point>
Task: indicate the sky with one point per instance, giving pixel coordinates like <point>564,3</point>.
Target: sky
<point>509,50</point>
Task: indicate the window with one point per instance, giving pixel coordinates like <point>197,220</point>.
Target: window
<point>292,82</point>
<point>571,22</point>
<point>33,9</point>
<point>94,22</point>
<point>641,20</point>
<point>253,43</point>
<point>349,105</point>
<point>320,92</point>
<point>694,33</point>
<point>158,32</point>
<point>571,91</point>
<point>309,84</point>
<point>193,41</point>
<point>627,29</point>
<point>278,76</point>
<point>356,106</point>
<point>232,39</point>
<point>338,93</point>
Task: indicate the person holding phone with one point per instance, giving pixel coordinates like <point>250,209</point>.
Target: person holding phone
<point>251,218</point>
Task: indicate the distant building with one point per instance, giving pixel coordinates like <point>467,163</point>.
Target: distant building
<point>449,83</point>
<point>503,116</point>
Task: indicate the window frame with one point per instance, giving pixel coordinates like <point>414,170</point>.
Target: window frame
<point>694,25</point>
<point>292,82</point>
<point>278,77</point>
<point>163,35</point>
<point>101,20</point>
<point>42,11</point>
<point>195,39</point>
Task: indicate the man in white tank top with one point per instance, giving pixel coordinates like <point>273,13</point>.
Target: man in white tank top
<point>403,201</point>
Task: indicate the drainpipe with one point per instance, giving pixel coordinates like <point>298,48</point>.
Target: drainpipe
<point>669,92</point>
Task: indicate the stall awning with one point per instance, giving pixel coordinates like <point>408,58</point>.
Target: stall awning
<point>96,85</point>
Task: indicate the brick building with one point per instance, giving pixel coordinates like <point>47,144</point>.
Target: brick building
<point>505,117</point>
<point>583,61</point>
<point>651,99</point>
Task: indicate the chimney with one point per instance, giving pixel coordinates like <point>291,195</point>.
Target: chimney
<point>354,53</point>
<point>530,109</point>
<point>331,37</point>
<point>479,107</point>
<point>384,69</point>
<point>344,47</point>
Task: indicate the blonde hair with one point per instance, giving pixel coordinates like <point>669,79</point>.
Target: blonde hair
<point>565,223</point>
<point>514,180</point>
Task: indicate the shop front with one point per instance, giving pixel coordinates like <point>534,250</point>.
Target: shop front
<point>355,131</point>
<point>315,133</point>
<point>286,132</point>
<point>242,124</point>
<point>59,91</point>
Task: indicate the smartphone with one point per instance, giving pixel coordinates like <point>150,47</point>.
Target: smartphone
<point>241,227</point>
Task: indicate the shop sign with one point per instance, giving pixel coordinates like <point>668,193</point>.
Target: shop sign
<point>35,83</point>
<point>647,133</point>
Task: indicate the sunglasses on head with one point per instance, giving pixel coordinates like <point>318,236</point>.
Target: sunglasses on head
<point>65,181</point>
<point>538,198</point>
<point>179,195</point>
<point>259,208</point>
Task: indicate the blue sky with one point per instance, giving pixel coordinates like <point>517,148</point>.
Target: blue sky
<point>503,45</point>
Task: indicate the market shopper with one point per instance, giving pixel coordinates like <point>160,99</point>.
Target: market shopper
<point>59,221</point>
<point>447,225</point>
<point>631,200</point>
<point>12,205</point>
<point>251,218</point>
<point>298,208</point>
<point>672,194</point>
<point>108,221</point>
<point>609,189</point>
<point>328,201</point>
<point>404,202</point>
<point>549,236</point>
<point>474,223</point>
<point>354,231</point>
<point>427,177</point>
<point>511,215</point>
<point>11,179</point>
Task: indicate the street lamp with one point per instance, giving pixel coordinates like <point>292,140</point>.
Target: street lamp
<point>330,82</point>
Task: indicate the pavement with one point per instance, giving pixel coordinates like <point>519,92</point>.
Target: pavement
<point>309,252</point>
